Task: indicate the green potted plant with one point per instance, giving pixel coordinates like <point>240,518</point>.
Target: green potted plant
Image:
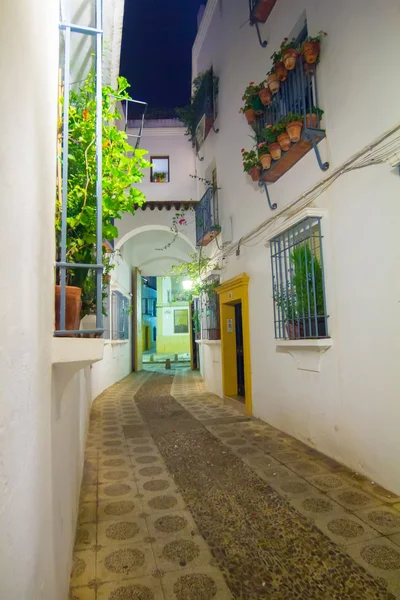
<point>285,300</point>
<point>294,124</point>
<point>252,103</point>
<point>273,81</point>
<point>122,168</point>
<point>313,118</point>
<point>264,155</point>
<point>251,164</point>
<point>289,53</point>
<point>311,47</point>
<point>307,281</point>
<point>270,137</point>
<point>205,91</point>
<point>158,177</point>
<point>279,66</point>
<point>282,136</point>
<point>197,324</point>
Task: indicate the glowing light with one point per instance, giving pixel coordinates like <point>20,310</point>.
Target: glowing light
<point>187,284</point>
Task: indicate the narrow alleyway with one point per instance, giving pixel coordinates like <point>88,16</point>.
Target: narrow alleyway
<point>184,498</point>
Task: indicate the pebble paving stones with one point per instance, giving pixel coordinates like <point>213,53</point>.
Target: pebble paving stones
<point>191,500</point>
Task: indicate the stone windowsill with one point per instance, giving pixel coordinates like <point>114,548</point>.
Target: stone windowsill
<point>77,351</point>
<point>306,354</point>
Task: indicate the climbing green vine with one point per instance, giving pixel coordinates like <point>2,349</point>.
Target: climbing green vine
<point>122,167</point>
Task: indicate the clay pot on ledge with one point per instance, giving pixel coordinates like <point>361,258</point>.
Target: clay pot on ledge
<point>255,173</point>
<point>281,71</point>
<point>294,130</point>
<point>275,150</point>
<point>250,116</point>
<point>73,305</point>
<point>266,161</point>
<point>311,52</point>
<point>284,141</point>
<point>273,83</point>
<point>265,96</point>
<point>312,120</point>
<point>289,57</point>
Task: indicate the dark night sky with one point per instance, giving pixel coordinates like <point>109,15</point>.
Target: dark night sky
<point>156,50</point>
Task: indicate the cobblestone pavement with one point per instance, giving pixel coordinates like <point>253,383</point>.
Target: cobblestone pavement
<point>184,498</point>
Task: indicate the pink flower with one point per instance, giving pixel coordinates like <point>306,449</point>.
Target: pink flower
<point>242,150</point>
<point>261,145</point>
<point>251,83</point>
<point>285,39</point>
<point>182,221</point>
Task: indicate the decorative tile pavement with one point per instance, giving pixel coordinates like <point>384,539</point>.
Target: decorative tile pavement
<point>144,534</point>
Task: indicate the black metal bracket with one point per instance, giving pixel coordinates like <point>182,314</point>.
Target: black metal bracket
<point>215,130</point>
<point>264,185</point>
<point>264,43</point>
<point>310,135</point>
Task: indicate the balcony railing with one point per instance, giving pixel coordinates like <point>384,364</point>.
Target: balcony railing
<point>207,220</point>
<point>297,94</point>
<point>62,265</point>
<point>205,107</point>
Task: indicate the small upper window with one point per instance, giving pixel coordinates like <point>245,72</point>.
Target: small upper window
<point>160,169</point>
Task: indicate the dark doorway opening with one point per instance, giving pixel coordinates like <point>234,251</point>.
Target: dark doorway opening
<point>239,350</point>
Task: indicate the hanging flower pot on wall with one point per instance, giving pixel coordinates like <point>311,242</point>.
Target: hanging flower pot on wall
<point>289,57</point>
<point>311,51</point>
<point>255,173</point>
<point>284,141</point>
<point>273,83</point>
<point>265,96</point>
<point>275,150</point>
<point>281,71</point>
<point>294,130</point>
<point>266,161</point>
<point>250,116</point>
<point>73,305</point>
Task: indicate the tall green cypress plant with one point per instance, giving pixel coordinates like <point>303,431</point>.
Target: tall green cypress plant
<point>308,296</point>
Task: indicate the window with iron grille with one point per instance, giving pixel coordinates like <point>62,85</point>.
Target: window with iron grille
<point>298,282</point>
<point>119,316</point>
<point>210,318</point>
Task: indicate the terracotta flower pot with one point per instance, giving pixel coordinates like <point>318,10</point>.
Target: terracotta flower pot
<point>275,150</point>
<point>294,130</point>
<point>250,116</point>
<point>273,83</point>
<point>289,58</point>
<point>266,161</point>
<point>265,96</point>
<point>284,141</point>
<point>73,305</point>
<point>281,71</point>
<point>311,52</point>
<point>255,173</point>
<point>312,120</point>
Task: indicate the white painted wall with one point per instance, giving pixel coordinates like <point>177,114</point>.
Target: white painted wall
<point>44,409</point>
<point>210,365</point>
<point>172,142</point>
<point>26,310</point>
<point>350,409</point>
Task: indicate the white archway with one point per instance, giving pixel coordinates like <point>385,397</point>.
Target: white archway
<point>146,228</point>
